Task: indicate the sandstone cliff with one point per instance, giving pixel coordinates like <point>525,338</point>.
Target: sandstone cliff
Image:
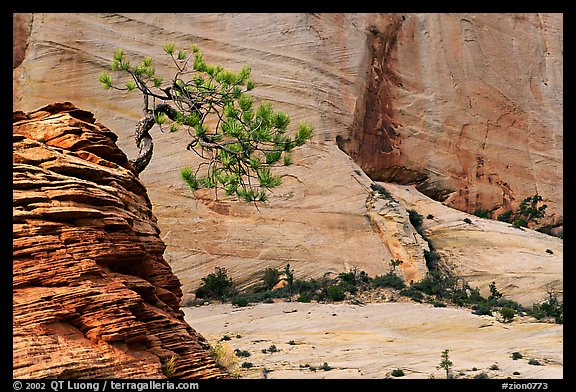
<point>93,296</point>
<point>434,100</point>
<point>467,106</point>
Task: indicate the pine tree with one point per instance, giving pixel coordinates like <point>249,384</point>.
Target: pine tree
<point>445,362</point>
<point>238,142</point>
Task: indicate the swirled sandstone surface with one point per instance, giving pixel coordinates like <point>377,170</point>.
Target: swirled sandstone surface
<point>93,296</point>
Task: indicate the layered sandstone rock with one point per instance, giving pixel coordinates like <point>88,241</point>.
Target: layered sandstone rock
<point>526,265</point>
<point>93,296</point>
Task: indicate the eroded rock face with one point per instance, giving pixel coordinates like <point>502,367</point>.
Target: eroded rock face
<point>467,106</point>
<point>93,296</point>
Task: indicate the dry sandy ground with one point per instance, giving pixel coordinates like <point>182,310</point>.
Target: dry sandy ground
<point>371,340</point>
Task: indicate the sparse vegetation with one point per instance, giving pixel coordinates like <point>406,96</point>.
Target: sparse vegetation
<point>529,211</point>
<point>516,355</point>
<point>446,363</point>
<point>169,366</point>
<point>483,213</point>
<point>481,376</point>
<point>271,349</point>
<point>549,308</point>
<point>397,373</point>
<point>381,190</point>
<point>241,353</point>
<point>437,288</point>
<point>467,220</point>
<point>270,278</point>
<point>507,314</point>
<point>325,367</point>
<point>216,285</point>
<point>225,357</point>
<point>535,362</point>
<point>494,367</point>
<point>549,251</point>
<point>416,219</point>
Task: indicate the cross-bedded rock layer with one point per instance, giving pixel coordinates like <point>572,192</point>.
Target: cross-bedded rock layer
<point>93,296</point>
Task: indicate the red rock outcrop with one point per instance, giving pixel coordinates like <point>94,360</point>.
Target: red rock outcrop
<point>93,296</point>
<point>467,106</point>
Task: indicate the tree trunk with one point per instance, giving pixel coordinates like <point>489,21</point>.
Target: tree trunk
<point>143,138</point>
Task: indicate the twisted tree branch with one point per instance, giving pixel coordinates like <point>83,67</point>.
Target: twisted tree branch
<point>143,138</point>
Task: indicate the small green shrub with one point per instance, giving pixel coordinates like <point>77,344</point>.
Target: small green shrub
<point>505,216</point>
<point>303,298</point>
<point>271,349</point>
<point>381,190</point>
<point>169,366</point>
<point>247,365</point>
<point>432,259</point>
<point>494,367</point>
<point>335,293</point>
<point>270,277</point>
<point>481,376</point>
<point>415,218</point>
<point>240,301</point>
<point>550,307</point>
<point>325,367</point>
<point>216,285</point>
<point>535,362</point>
<point>516,373</point>
<point>467,220</point>
<point>507,314</point>
<point>483,213</point>
<point>397,373</point>
<point>388,280</point>
<point>241,353</point>
<point>413,293</point>
<point>550,251</point>
<point>481,310</point>
<point>516,355</point>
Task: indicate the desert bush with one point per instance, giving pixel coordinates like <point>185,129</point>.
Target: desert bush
<point>238,142</point>
<point>397,373</point>
<point>551,307</point>
<point>240,301</point>
<point>416,219</point>
<point>335,293</point>
<point>169,366</point>
<point>483,212</point>
<point>270,277</point>
<point>241,353</point>
<point>216,285</point>
<point>507,314</point>
<point>388,280</point>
